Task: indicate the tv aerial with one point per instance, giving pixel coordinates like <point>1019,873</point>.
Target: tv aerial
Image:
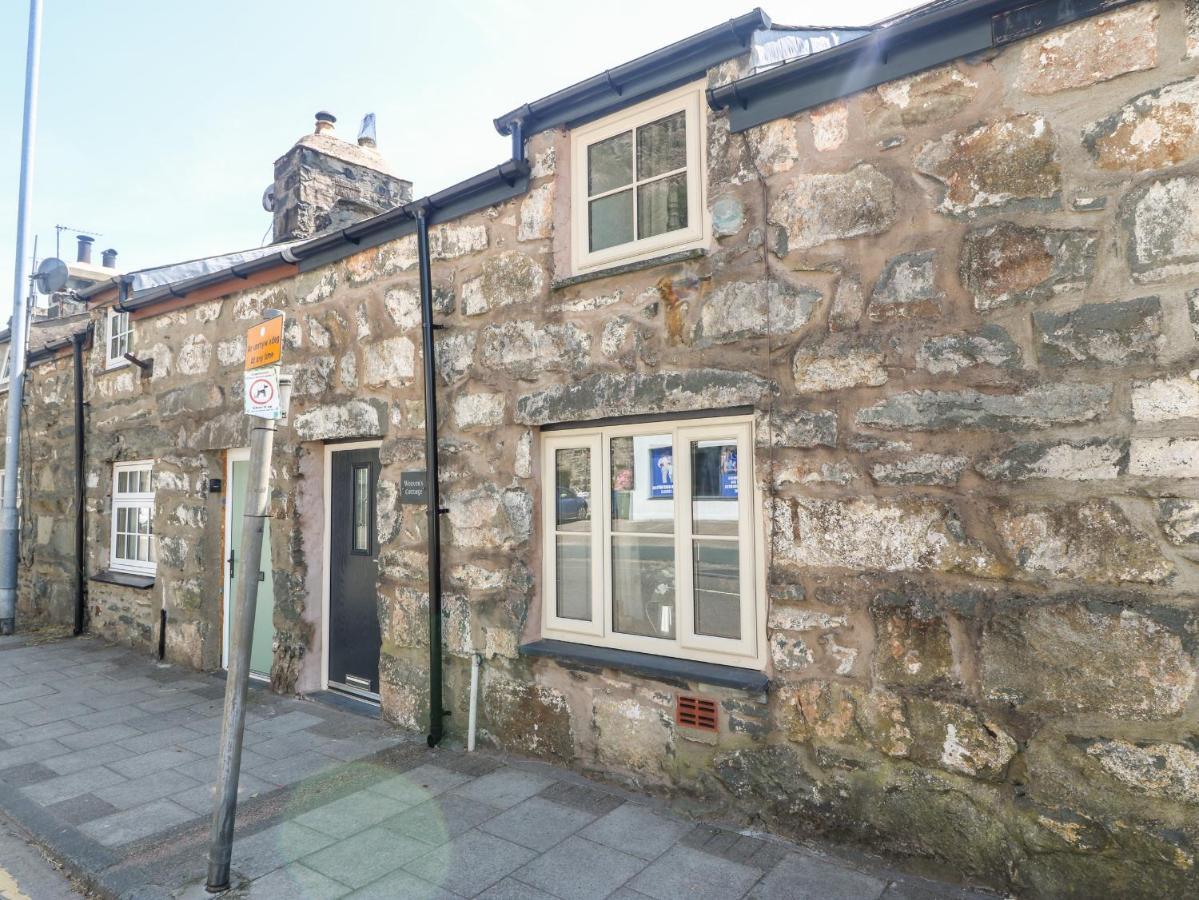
<point>51,276</point>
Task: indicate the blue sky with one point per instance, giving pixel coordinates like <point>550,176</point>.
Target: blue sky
<point>160,121</point>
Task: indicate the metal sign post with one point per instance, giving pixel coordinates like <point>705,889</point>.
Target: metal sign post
<point>265,398</point>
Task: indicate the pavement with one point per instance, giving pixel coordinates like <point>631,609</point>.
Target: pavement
<point>107,760</point>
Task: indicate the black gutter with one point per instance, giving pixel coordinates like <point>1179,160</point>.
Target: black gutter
<point>912,44</point>
<point>80,484</point>
<point>432,489</point>
<point>652,73</point>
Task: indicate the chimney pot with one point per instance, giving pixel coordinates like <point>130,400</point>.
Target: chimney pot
<point>366,134</point>
<point>109,257</point>
<point>83,253</point>
<point>324,121</point>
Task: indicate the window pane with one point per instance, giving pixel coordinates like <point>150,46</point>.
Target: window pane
<point>714,487</point>
<point>362,509</point>
<point>122,482</point>
<point>717,588</point>
<point>572,469</point>
<point>643,483</point>
<point>643,586</point>
<point>662,206</point>
<point>610,164</point>
<point>610,221</point>
<point>662,146</point>
<point>573,587</point>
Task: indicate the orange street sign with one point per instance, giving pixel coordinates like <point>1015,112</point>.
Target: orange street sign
<point>264,343</point>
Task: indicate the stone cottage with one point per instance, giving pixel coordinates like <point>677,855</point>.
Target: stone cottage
<point>817,425</point>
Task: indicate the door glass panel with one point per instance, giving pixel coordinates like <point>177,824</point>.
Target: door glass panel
<point>643,586</point>
<point>573,583</point>
<point>662,146</point>
<point>610,164</point>
<point>642,480</point>
<point>715,487</point>
<point>361,510</point>
<point>717,588</point>
<point>610,220</point>
<point>662,205</point>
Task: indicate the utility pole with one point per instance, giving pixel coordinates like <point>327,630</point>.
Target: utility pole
<point>264,343</point>
<point>10,525</point>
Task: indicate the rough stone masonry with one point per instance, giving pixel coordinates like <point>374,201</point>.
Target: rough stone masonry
<point>964,308</point>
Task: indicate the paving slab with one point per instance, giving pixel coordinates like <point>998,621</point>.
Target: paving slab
<point>690,873</point>
<point>470,863</point>
<point>636,830</point>
<point>579,869</point>
<point>801,875</point>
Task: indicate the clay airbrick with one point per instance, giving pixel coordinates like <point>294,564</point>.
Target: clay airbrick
<point>696,712</point>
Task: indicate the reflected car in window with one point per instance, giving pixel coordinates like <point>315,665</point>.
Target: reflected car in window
<point>572,506</point>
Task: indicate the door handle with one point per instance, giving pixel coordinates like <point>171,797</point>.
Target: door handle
<point>230,561</point>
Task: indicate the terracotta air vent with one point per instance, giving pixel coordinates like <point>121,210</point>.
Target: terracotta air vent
<point>696,712</point>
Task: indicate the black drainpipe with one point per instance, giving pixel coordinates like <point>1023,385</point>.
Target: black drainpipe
<point>80,482</point>
<point>433,508</point>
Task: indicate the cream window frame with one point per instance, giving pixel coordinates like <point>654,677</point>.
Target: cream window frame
<point>125,334</point>
<point>687,99</point>
<point>135,500</point>
<point>748,651</point>
<point>4,379</point>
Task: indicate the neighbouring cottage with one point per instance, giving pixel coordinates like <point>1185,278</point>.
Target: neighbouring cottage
<point>818,428</point>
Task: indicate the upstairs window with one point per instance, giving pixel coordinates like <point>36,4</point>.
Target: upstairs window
<point>4,370</point>
<point>133,547</point>
<point>652,540</point>
<point>637,182</point>
<point>118,335</point>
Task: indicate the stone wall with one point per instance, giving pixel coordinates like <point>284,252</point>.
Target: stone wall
<point>963,307</point>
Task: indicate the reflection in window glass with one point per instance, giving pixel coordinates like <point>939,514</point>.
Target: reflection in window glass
<point>572,543</point>
<point>362,509</point>
<point>717,574</point>
<point>643,588</point>
<point>662,146</point>
<point>610,164</point>
<point>643,483</point>
<point>610,220</point>
<point>715,514</point>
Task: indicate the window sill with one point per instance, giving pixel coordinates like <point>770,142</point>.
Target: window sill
<point>125,579</point>
<point>670,668</point>
<point>624,268</point>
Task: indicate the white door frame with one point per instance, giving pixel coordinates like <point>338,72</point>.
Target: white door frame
<point>327,549</point>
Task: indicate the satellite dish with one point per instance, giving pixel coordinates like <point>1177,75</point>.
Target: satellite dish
<point>268,198</point>
<point>51,276</point>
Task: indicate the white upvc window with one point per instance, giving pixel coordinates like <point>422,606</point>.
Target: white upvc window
<point>133,548</point>
<point>118,335</point>
<point>637,182</point>
<point>4,367</point>
<point>652,540</point>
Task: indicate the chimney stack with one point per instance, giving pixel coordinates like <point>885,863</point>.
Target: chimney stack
<point>84,252</point>
<point>109,257</point>
<point>324,182</point>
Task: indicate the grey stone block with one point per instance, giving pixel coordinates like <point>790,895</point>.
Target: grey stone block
<point>690,873</point>
<point>440,819</point>
<point>503,788</point>
<point>96,735</point>
<point>137,823</point>
<point>365,857</point>
<point>511,889</point>
<point>285,724</point>
<point>141,790</point>
<point>65,787</point>
<point>274,847</point>
<point>200,797</point>
<point>69,763</point>
<point>806,875</point>
<point>636,830</point>
<point>83,808</point>
<point>419,784</point>
<point>578,869</point>
<point>295,881</point>
<point>470,863</point>
<point>537,823</point>
<point>27,753</point>
<point>26,774</point>
<point>154,761</point>
<point>351,814</point>
<point>293,768</point>
<point>406,885</point>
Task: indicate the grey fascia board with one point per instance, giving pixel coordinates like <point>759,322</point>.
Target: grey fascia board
<point>912,45</point>
<point>652,73</point>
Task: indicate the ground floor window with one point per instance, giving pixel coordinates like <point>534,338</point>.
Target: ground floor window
<point>133,547</point>
<point>651,539</point>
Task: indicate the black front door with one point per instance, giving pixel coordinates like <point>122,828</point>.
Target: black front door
<point>354,636</point>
